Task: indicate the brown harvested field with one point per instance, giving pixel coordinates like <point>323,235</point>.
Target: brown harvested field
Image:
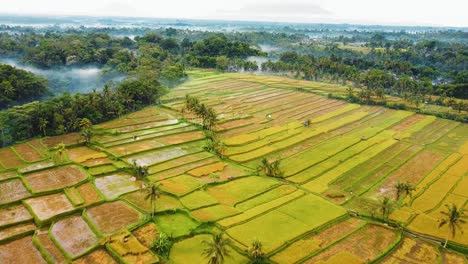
<point>412,251</point>
<point>14,214</point>
<point>27,152</point>
<point>12,190</point>
<point>452,258</point>
<point>74,235</point>
<point>56,178</point>
<point>99,161</point>
<point>50,247</point>
<point>407,123</point>
<point>67,139</point>
<point>20,251</point>
<point>308,245</point>
<point>413,171</point>
<point>139,146</point>
<point>365,244</point>
<point>82,154</point>
<point>7,175</point>
<point>113,216</point>
<point>88,193</point>
<point>99,256</point>
<point>37,145</point>
<point>9,159</point>
<point>46,207</point>
<point>37,166</point>
<point>146,234</point>
<point>132,128</point>
<point>181,138</point>
<point>13,231</point>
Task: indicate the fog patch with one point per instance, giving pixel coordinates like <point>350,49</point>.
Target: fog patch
<point>70,79</point>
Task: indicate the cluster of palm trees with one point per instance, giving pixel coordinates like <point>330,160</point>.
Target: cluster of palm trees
<point>403,188</point>
<point>216,250</point>
<point>271,169</point>
<point>140,171</point>
<point>206,113</point>
<point>86,130</point>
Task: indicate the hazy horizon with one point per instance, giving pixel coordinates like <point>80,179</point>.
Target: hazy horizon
<point>449,13</point>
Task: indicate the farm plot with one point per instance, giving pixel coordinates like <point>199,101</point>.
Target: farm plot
<point>436,192</point>
<point>112,186</point>
<point>16,231</point>
<point>302,215</point>
<point>180,185</point>
<point>242,189</point>
<point>197,200</point>
<point>128,249</point>
<point>48,247</point>
<point>164,202</point>
<point>146,234</point>
<point>20,251</point>
<point>48,207</point>
<point>214,213</point>
<point>67,139</point>
<point>413,171</point>
<point>28,153</point>
<point>74,235</point>
<point>144,145</point>
<point>413,251</point>
<point>363,246</point>
<point>55,178</point>
<point>175,225</point>
<point>375,176</point>
<point>309,245</point>
<point>12,190</point>
<point>98,256</point>
<point>83,154</point>
<point>89,194</point>
<point>191,248</point>
<point>9,159</point>
<point>153,157</point>
<point>113,216</point>
<point>13,215</point>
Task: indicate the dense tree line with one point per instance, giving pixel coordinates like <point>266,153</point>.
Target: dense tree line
<point>17,85</point>
<point>63,114</point>
<point>392,77</point>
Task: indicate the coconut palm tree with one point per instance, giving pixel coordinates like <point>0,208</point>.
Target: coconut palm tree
<point>216,249</point>
<point>385,207</point>
<point>43,125</point>
<point>61,149</point>
<point>453,218</point>
<point>255,251</point>
<point>152,195</point>
<point>399,188</point>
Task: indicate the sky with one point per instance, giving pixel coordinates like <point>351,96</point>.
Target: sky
<point>383,12</point>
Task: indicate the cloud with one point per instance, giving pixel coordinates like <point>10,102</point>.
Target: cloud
<point>278,9</point>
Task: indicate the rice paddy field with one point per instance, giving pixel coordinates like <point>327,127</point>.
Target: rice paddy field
<point>88,206</point>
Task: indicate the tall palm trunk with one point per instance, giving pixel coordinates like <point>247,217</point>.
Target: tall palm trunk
<point>447,238</point>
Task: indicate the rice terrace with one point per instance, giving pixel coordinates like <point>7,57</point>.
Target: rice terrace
<point>312,178</point>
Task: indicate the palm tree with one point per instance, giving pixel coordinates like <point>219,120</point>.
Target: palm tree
<point>408,189</point>
<point>454,217</point>
<point>153,194</point>
<point>255,250</point>
<point>399,188</point>
<point>43,125</point>
<point>61,149</point>
<point>216,249</point>
<point>385,207</point>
